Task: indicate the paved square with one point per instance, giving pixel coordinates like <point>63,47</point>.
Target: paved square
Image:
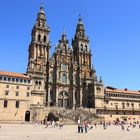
<point>68,132</point>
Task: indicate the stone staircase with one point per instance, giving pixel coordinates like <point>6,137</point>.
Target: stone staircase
<point>74,115</point>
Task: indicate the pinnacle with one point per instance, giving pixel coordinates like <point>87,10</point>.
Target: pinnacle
<point>80,20</point>
<point>42,8</point>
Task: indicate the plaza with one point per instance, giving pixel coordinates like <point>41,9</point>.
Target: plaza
<point>68,132</point>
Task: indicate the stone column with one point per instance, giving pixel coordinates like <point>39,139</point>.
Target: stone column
<point>56,102</point>
<point>87,95</point>
<point>89,60</point>
<point>48,97</point>
<point>74,101</point>
<point>63,100</point>
<point>81,98</point>
<point>46,53</point>
<point>35,52</point>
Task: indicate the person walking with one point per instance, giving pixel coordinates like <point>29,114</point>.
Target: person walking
<point>82,128</point>
<point>104,125</point>
<point>79,126</point>
<point>122,126</point>
<point>86,126</point>
<point>128,128</point>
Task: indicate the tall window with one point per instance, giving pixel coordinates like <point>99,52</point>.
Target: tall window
<point>17,104</point>
<point>123,105</point>
<point>17,93</point>
<point>13,79</point>
<point>21,80</point>
<point>27,94</point>
<point>17,80</point>
<point>64,67</point>
<point>4,78</point>
<point>9,79</point>
<point>39,37</point>
<point>60,100</point>
<point>40,83</point>
<point>6,92</point>
<point>44,39</point>
<point>64,78</point>
<point>132,104</point>
<point>5,104</point>
<point>63,100</point>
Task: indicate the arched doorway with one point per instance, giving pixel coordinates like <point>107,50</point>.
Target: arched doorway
<point>63,99</point>
<point>27,116</point>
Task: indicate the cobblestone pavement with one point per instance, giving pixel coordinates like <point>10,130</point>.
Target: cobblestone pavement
<point>68,132</point>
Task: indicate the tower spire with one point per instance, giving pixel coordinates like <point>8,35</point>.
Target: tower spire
<point>80,30</point>
<point>80,20</point>
<point>64,35</point>
<point>41,17</point>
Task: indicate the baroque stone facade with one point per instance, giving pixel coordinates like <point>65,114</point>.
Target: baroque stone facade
<point>62,79</point>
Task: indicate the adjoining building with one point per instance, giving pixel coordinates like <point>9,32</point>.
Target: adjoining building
<point>120,105</point>
<point>15,97</point>
<point>67,80</point>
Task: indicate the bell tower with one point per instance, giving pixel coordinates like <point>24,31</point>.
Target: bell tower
<point>40,45</point>
<point>82,57</point>
<point>82,53</point>
<point>39,55</point>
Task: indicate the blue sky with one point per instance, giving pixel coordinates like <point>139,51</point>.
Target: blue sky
<point>113,27</point>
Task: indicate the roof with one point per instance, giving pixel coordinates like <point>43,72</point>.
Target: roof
<point>126,91</point>
<point>14,75</point>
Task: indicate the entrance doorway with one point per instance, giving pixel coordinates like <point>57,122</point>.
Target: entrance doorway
<point>27,116</point>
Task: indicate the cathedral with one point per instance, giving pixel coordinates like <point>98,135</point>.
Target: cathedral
<point>62,79</point>
<point>64,84</point>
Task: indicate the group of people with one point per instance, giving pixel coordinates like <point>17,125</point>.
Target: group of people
<point>51,124</point>
<point>124,125</point>
<point>130,125</point>
<point>83,127</point>
<point>54,124</point>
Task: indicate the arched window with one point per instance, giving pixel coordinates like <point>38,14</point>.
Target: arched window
<point>44,39</point>
<point>81,47</point>
<point>39,37</point>
<point>39,82</point>
<point>64,78</point>
<point>36,82</point>
<point>86,48</point>
<point>63,99</point>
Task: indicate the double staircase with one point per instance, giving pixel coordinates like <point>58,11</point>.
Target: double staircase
<point>74,115</point>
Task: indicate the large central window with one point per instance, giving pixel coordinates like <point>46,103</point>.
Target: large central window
<point>63,67</point>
